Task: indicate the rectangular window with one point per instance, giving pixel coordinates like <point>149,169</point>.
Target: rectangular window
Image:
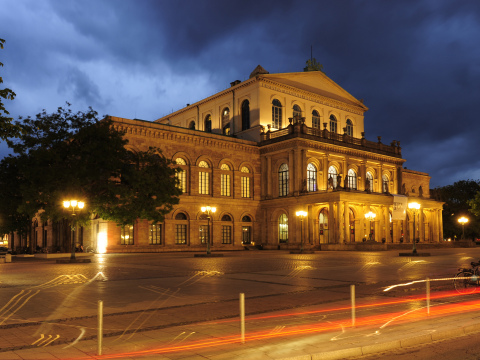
<point>155,235</point>
<point>225,185</point>
<point>203,234</point>
<point>126,235</point>
<point>226,234</point>
<point>182,180</point>
<point>180,234</point>
<point>203,183</point>
<point>245,187</point>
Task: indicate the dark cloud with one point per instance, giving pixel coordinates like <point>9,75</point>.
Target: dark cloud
<point>416,63</point>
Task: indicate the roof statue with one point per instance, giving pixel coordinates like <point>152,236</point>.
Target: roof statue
<point>259,70</point>
<point>312,65</point>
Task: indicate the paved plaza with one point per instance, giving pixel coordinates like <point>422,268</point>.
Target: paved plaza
<point>177,306</point>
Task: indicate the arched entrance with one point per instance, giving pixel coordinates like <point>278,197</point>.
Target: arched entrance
<point>323,226</point>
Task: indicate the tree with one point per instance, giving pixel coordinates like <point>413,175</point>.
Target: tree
<point>457,199</point>
<point>68,155</point>
<point>7,129</point>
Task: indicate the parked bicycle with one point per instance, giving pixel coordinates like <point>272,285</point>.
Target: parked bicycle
<point>467,280</point>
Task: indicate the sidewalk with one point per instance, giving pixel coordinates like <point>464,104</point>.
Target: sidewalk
<point>307,333</point>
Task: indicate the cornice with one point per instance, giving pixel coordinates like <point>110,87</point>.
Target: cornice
<point>306,95</point>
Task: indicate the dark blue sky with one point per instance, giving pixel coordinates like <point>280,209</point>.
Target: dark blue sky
<point>415,63</point>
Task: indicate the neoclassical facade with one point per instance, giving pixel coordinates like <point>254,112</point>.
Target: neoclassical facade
<point>260,151</point>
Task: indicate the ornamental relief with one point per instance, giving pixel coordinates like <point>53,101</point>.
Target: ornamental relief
<point>317,99</point>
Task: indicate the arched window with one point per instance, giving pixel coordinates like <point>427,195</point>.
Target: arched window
<point>315,119</point>
<point>226,230</point>
<point>181,174</point>
<point>323,221</point>
<point>352,179</point>
<point>203,179</point>
<point>311,177</point>
<point>349,127</point>
<point>385,183</point>
<point>283,180</point>
<point>208,123</point>
<point>226,121</point>
<point>181,216</point>
<point>369,182</point>
<point>283,228</point>
<point>245,115</point>
<point>245,185</point>
<point>191,126</point>
<point>297,111</point>
<point>246,218</point>
<point>332,177</point>
<point>333,124</point>
<point>246,230</point>
<point>276,114</point>
<point>225,180</point>
<point>181,228</point>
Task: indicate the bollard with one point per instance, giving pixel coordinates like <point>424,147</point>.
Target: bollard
<point>100,327</point>
<point>427,284</point>
<point>242,317</point>
<point>352,296</point>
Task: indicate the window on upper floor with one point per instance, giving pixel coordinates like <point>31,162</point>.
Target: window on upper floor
<point>191,126</point>
<point>297,111</point>
<point>245,182</point>
<point>315,119</point>
<point>352,179</point>
<point>225,116</point>
<point>245,115</point>
<point>332,177</point>
<point>349,127</point>
<point>276,114</point>
<point>333,124</point>
<point>203,179</point>
<point>283,180</point>
<point>225,180</point>
<point>208,123</point>
<point>369,182</point>
<point>181,174</point>
<point>311,177</point>
<point>385,181</point>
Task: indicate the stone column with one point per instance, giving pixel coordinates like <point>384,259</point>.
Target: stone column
<point>346,214</point>
<point>269,177</point>
<point>331,223</point>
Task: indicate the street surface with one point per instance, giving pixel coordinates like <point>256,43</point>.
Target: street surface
<point>43,304</point>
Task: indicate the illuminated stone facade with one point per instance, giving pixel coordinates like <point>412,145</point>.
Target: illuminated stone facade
<point>265,148</point>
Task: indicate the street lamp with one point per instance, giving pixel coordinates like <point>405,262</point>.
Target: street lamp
<point>73,205</point>
<point>301,214</point>
<point>463,220</point>
<point>208,210</point>
<point>414,207</point>
<point>370,216</point>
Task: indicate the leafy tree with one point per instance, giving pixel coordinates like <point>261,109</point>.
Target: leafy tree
<point>68,155</point>
<point>457,198</point>
<point>7,129</point>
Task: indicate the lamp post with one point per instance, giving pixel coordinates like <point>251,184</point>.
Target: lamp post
<point>463,220</point>
<point>208,210</point>
<point>301,214</point>
<point>414,207</point>
<point>370,216</point>
<point>73,205</point>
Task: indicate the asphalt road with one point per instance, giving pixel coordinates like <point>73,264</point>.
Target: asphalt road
<point>161,291</point>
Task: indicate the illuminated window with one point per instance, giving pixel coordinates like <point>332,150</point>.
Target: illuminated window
<point>283,180</point>
<point>352,179</point>
<point>369,184</point>
<point>333,124</point>
<point>180,234</point>
<point>385,183</point>
<point>245,184</point>
<point>155,235</point>
<point>283,228</point>
<point>276,114</point>
<point>126,235</point>
<point>203,233</point>
<point>332,177</point>
<point>226,234</point>
<point>203,179</point>
<point>315,120</point>
<point>181,174</point>
<point>311,177</point>
<point>225,181</point>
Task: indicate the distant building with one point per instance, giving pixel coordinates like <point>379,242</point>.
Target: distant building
<point>264,149</point>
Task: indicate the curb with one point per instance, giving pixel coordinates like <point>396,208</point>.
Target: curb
<point>389,345</point>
